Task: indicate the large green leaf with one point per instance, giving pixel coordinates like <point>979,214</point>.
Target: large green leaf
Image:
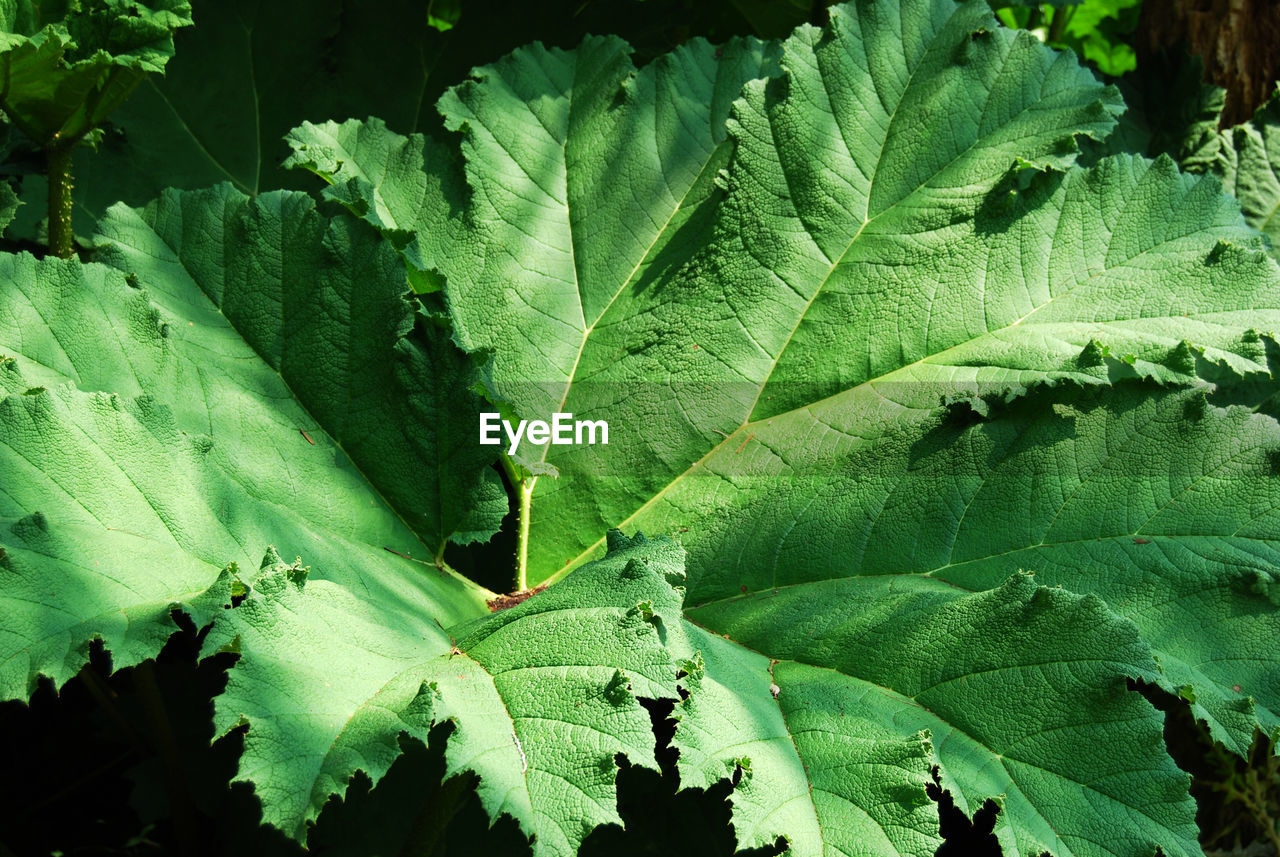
<point>160,447</point>
<point>543,694</point>
<point>67,66</point>
<point>292,399</point>
<point>1159,503</point>
<point>909,352</point>
<point>866,284</point>
<point>555,268</point>
<point>961,439</point>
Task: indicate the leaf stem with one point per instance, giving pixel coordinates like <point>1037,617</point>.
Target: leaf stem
<point>524,488</point>
<point>1058,26</point>
<point>61,238</point>
<point>522,543</point>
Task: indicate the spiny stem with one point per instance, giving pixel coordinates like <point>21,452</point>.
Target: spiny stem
<point>522,545</point>
<point>524,487</point>
<point>61,238</point>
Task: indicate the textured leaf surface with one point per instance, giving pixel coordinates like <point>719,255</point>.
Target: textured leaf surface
<point>1247,158</point>
<point>289,359</point>
<point>1160,503</point>
<point>180,450</point>
<point>1143,260</point>
<point>908,353</point>
<point>564,227</point>
<point>120,544</point>
<point>1022,690</point>
<point>860,273</point>
<point>810,765</point>
<point>934,410</point>
<point>1167,507</point>
<point>542,694</point>
<point>305,292</point>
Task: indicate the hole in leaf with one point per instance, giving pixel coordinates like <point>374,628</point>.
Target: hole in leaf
<point>1237,799</point>
<point>661,818</point>
<point>962,836</point>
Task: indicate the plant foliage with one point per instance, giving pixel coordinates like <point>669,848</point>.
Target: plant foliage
<point>944,437</point>
<point>1247,157</point>
<point>68,65</point>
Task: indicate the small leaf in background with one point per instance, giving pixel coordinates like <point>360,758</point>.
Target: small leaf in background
<point>443,14</point>
<point>1097,30</point>
<point>1247,159</point>
<point>67,72</point>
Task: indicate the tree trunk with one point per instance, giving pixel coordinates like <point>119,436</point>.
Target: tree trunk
<point>1239,41</point>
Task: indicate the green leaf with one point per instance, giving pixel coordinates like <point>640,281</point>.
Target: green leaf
<point>67,68</point>
<point>1052,4</point>
<point>1018,688</point>
<point>599,325</point>
<point>1247,159</point>
<point>444,14</point>
<point>247,73</point>
<point>252,69</point>
<point>1129,259</point>
<point>1160,503</point>
<point>962,439</point>
<point>543,695</point>
<point>9,204</point>
<point>288,358</point>
<point>1171,111</point>
<point>808,763</point>
<point>101,534</point>
<point>321,303</point>
<point>681,99</point>
<point>180,451</point>
<point>377,174</point>
<point>1101,32</point>
<point>906,338</point>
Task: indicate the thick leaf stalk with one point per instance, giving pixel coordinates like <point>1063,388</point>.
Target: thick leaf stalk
<point>61,183</point>
<point>523,485</point>
<point>522,545</point>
